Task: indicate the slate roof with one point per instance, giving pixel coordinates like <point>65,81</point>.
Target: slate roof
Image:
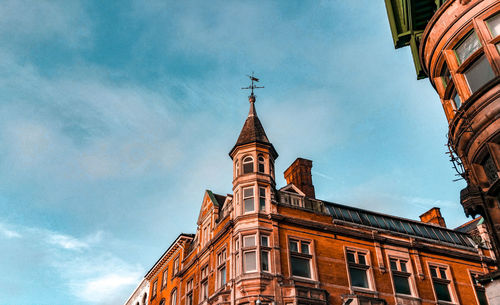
<point>252,130</point>
<point>398,224</point>
<point>470,225</point>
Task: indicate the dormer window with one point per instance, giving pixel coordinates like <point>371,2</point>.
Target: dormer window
<point>247,165</point>
<point>261,163</point>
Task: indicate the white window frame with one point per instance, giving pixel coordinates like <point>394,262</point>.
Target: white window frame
<point>449,280</point>
<point>301,254</point>
<point>368,267</point>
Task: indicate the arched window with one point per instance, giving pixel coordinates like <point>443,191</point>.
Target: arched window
<point>261,163</point>
<point>237,168</point>
<point>248,165</point>
<point>145,299</point>
<point>162,302</point>
<point>137,303</point>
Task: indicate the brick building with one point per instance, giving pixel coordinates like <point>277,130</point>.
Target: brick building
<point>264,245</point>
<point>456,44</point>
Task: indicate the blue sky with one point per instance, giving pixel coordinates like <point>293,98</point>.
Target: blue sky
<point>116,116</point>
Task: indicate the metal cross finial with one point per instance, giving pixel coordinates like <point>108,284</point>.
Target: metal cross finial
<point>252,86</point>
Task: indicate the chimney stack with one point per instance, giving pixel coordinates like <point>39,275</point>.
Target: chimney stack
<point>433,216</point>
<point>299,173</point>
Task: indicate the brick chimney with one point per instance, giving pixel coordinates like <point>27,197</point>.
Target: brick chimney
<point>299,173</point>
<point>433,216</point>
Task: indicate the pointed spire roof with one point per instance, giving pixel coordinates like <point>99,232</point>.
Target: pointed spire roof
<point>252,130</point>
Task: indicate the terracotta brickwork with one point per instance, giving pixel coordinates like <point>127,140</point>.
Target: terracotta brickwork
<point>460,53</point>
<point>263,245</point>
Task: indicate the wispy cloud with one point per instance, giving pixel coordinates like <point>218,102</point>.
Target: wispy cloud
<point>8,232</point>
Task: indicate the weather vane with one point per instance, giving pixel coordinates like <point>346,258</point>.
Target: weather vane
<point>252,86</point>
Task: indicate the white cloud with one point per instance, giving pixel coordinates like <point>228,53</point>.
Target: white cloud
<point>8,232</point>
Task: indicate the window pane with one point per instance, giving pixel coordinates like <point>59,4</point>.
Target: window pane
<point>456,99</point>
<point>401,284</point>
<point>294,246</point>
<point>304,248</point>
<point>445,74</point>
<point>261,167</point>
<point>468,46</point>
<point>264,260</point>
<point>479,74</point>
<point>361,259</point>
<point>442,292</point>
<point>249,207</point>
<point>434,272</point>
<point>250,261</point>
<point>247,168</point>
<point>494,25</point>
<point>264,241</point>
<point>300,267</point>
<point>248,192</point>
<point>394,265</point>
<point>403,266</point>
<point>249,241</point>
<point>358,277</point>
<point>350,257</point>
<point>222,274</point>
<point>442,273</point>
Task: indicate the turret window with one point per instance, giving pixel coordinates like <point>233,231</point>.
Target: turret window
<point>248,165</point>
<point>261,164</point>
<point>237,168</point>
<point>248,201</point>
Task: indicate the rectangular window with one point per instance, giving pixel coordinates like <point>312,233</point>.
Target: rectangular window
<point>445,75</point>
<point>153,291</point>
<point>264,260</point>
<point>494,25</point>
<point>249,241</point>
<point>300,258</point>
<point>480,291</point>
<point>250,261</point>
<point>490,169</point>
<point>204,290</point>
<point>173,297</point>
<point>189,292</point>
<point>400,275</point>
<point>479,73</point>
<point>237,256</point>
<point>358,268</point>
<point>164,278</point>
<point>262,199</point>
<point>467,47</point>
<point>221,266</point>
<point>456,99</point>
<point>176,267</point>
<point>248,200</point>
<point>264,241</point>
<point>441,283</point>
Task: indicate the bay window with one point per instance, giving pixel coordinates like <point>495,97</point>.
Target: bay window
<point>260,159</point>
<point>493,24</point>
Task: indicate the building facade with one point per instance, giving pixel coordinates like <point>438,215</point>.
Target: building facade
<point>456,44</point>
<point>264,245</point>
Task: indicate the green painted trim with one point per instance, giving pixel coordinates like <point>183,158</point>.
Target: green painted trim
<point>212,197</point>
